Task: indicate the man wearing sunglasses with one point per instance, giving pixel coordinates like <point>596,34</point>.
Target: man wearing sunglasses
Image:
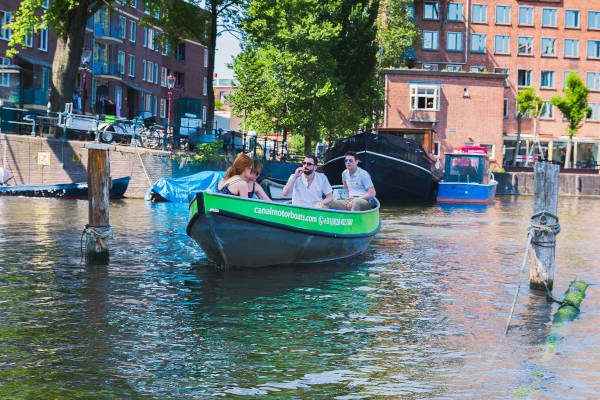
<point>358,185</point>
<point>307,186</point>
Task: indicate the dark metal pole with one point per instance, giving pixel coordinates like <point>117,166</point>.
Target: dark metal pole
<point>377,99</point>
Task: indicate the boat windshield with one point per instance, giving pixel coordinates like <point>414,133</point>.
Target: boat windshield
<point>464,168</point>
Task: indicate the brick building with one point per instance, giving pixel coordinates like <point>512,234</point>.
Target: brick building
<point>534,43</point>
<point>126,73</point>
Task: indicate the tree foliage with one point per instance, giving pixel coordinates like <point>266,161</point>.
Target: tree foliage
<point>529,103</point>
<point>398,33</point>
<point>306,66</point>
<point>573,105</point>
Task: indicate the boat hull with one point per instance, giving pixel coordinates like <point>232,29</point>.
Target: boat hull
<point>65,191</point>
<point>399,168</point>
<point>474,193</point>
<point>253,233</point>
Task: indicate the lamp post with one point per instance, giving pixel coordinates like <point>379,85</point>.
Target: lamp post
<point>170,86</point>
<point>86,55</point>
<point>377,98</point>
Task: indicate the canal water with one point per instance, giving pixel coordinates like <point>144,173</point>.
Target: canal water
<point>419,316</point>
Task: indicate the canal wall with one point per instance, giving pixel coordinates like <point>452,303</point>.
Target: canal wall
<point>571,184</point>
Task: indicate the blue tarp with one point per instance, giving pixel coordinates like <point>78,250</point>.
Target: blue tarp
<point>178,189</point>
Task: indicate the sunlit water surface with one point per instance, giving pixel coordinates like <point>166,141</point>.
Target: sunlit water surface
<point>419,316</point>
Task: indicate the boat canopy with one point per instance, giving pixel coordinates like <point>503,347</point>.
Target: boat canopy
<point>467,168</point>
<point>178,189</point>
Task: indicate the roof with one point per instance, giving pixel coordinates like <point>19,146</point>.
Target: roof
<point>445,73</point>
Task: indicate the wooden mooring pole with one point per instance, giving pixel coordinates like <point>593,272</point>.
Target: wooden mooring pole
<point>544,225</point>
<point>98,229</point>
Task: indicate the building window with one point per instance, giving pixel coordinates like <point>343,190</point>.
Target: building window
<point>150,74</point>
<point>29,39</point>
<point>593,48</point>
<point>144,70</point>
<point>479,13</point>
<point>501,44</point>
<point>429,67</point>
<point>155,106</point>
<point>145,44</point>
<point>477,68</point>
<point>131,65</point>
<point>163,77</point>
<point>151,39</point>
<point>134,4</point>
<point>455,12</point>
<point>594,20</point>
<point>5,77</point>
<point>121,62</point>
<point>437,146</point>
<point>547,111</point>
<point>205,58</point>
<point>565,74</point>
<point>431,11</point>
<point>45,3</point>
<point>410,10</point>
<point>572,19</point>
<point>180,52</point>
<point>549,17</point>
<point>453,67</point>
<point>525,45</point>
<point>477,43</point>
<point>132,29</point>
<point>424,97</point>
<point>430,40</point>
<point>45,79</point>
<point>571,48</point>
<point>163,108</point>
<point>505,111</point>
<point>592,80</point>
<point>549,47</point>
<point>498,70</point>
<point>179,79</point>
<point>524,77</point>
<point>205,86</point>
<point>118,98</point>
<point>547,80</point>
<point>454,41</point>
<point>122,27</point>
<point>204,114</point>
<point>43,39</point>
<point>5,19</point>
<point>156,73</point>
<point>503,15</point>
<point>489,148</point>
<point>526,16</point>
<point>595,114</point>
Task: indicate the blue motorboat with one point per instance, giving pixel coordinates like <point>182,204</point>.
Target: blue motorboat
<point>75,190</point>
<point>467,177</point>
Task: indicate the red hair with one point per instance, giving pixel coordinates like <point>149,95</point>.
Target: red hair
<point>240,163</point>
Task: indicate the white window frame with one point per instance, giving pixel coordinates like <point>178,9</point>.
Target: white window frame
<point>163,76</point>
<point>453,67</point>
<point>132,31</point>
<point>123,26</point>
<point>5,77</point>
<point>576,48</point>
<point>526,48</point>
<point>593,18</point>
<point>131,65</point>
<point>477,68</point>
<point>415,96</point>
<point>455,38</point>
<point>163,107</point>
<point>437,148</point>
<point>555,22</point>
<point>578,18</point>
<point>505,108</point>
<point>150,38</point>
<point>5,19</point>
<point>530,17</point>
<point>434,40</point>
<point>547,112</point>
<point>505,41</point>
<point>550,73</point>
<point>490,154</point>
<point>507,14</point>
<point>553,48</point>
<point>474,43</point>
<point>43,39</point>
<point>457,12</point>
<point>595,114</point>
<point>596,43</point>
<point>121,61</point>
<point>480,7</point>
<point>592,81</point>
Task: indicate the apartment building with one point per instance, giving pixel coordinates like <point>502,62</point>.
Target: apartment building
<point>529,43</point>
<point>125,73</point>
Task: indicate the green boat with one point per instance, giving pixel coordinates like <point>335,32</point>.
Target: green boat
<point>234,231</point>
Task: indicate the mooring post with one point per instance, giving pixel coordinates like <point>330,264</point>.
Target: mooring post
<point>544,225</point>
<point>99,229</point>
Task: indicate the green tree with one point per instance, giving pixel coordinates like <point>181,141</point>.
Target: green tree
<point>528,103</point>
<point>573,107</point>
<point>398,33</point>
<point>306,66</point>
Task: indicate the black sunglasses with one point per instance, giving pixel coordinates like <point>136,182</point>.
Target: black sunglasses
<point>308,164</point>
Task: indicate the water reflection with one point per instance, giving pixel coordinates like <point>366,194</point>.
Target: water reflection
<point>420,315</point>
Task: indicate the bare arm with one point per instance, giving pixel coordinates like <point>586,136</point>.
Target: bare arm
<point>328,199</point>
<point>346,188</point>
<point>289,186</point>
<point>370,194</point>
<point>261,193</point>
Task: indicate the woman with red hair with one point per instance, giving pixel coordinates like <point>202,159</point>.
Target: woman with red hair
<point>237,177</point>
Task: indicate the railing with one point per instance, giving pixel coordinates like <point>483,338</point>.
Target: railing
<point>100,30</point>
<point>106,68</point>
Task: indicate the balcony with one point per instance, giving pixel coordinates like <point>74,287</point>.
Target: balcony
<point>35,96</point>
<point>106,68</point>
<point>114,33</point>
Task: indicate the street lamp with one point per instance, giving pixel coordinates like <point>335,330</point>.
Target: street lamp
<point>170,86</point>
<point>86,55</point>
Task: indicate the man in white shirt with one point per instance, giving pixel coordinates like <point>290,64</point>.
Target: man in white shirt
<point>307,186</point>
<point>358,185</point>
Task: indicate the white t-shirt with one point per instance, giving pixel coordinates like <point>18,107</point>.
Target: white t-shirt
<point>306,196</point>
<point>359,183</point>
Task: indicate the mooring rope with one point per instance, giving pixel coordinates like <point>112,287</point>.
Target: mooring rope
<point>534,230</point>
<point>93,232</point>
